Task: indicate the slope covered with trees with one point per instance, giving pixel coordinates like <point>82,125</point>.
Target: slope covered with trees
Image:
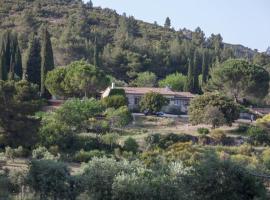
<point>120,45</point>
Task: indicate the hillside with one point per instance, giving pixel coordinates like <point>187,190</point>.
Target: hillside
<point>121,45</point>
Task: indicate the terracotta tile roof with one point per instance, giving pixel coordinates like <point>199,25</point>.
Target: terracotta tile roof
<point>163,91</point>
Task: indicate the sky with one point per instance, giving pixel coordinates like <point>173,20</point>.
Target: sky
<point>245,22</point>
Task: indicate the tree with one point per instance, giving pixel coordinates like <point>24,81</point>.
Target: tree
<point>190,78</point>
<point>32,63</point>
<point>83,79</point>
<point>199,105</point>
<point>218,179</point>
<point>152,102</point>
<point>204,69</point>
<point>167,23</point>
<point>49,179</point>
<point>10,57</point>
<point>115,101</point>
<point>18,102</point>
<point>120,117</point>
<point>239,79</point>
<point>174,81</point>
<point>47,60</point>
<point>55,82</point>
<point>145,79</point>
<point>196,87</point>
<point>131,145</point>
<point>213,116</point>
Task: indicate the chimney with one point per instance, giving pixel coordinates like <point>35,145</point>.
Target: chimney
<point>113,85</point>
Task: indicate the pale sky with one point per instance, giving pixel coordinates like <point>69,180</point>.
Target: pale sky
<point>245,22</point>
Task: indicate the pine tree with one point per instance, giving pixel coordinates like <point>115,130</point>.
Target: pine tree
<point>167,23</point>
<point>47,62</point>
<point>196,85</point>
<point>96,53</point>
<point>204,69</point>
<point>190,78</point>
<point>33,61</point>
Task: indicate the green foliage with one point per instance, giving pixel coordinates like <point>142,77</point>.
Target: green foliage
<point>10,57</point>
<point>213,116</point>
<point>115,101</point>
<point>75,113</point>
<point>226,106</point>
<point>152,102</point>
<point>258,135</point>
<point>42,153</point>
<point>117,91</point>
<point>32,61</point>
<point>55,82</point>
<point>77,80</point>
<point>85,156</point>
<point>175,81</point>
<point>145,79</point>
<point>18,102</point>
<point>203,131</point>
<point>210,180</point>
<point>239,79</point>
<point>120,117</point>
<point>49,178</point>
<point>131,145</point>
<point>47,59</point>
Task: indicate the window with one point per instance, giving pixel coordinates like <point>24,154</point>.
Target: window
<point>137,100</point>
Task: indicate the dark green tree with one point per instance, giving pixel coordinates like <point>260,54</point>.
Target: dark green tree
<point>239,79</point>
<point>167,23</point>
<point>153,102</point>
<point>33,61</point>
<point>18,101</point>
<point>190,77</point>
<point>47,60</point>
<point>196,86</point>
<point>10,57</point>
<point>204,69</point>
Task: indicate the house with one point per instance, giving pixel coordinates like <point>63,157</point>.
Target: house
<point>177,100</point>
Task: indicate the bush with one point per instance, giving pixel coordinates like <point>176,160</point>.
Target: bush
<point>41,153</point>
<point>220,137</point>
<point>164,141</point>
<point>258,136</point>
<point>242,128</point>
<point>115,101</point>
<point>131,145</point>
<point>120,117</point>
<point>203,131</point>
<point>85,156</point>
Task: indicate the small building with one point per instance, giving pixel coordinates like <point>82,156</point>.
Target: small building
<point>178,101</point>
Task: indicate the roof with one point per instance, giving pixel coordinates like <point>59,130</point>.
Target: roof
<point>163,91</point>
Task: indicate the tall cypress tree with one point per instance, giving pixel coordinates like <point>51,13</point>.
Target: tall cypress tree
<point>190,78</point>
<point>196,85</point>
<point>33,61</point>
<point>47,62</point>
<point>204,69</point>
<point>10,57</point>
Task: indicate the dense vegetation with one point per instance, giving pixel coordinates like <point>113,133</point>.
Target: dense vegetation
<point>96,149</point>
<point>118,44</point>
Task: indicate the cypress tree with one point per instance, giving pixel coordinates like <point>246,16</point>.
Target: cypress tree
<point>33,61</point>
<point>196,85</point>
<point>10,57</point>
<point>167,23</point>
<point>204,69</point>
<point>190,78</point>
<point>47,62</point>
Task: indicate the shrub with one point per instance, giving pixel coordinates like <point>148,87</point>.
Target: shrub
<point>131,145</point>
<point>115,101</point>
<point>220,137</point>
<point>85,156</point>
<point>266,158</point>
<point>120,117</point>
<point>41,153</point>
<point>258,136</point>
<point>203,131</point>
<point>242,128</point>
